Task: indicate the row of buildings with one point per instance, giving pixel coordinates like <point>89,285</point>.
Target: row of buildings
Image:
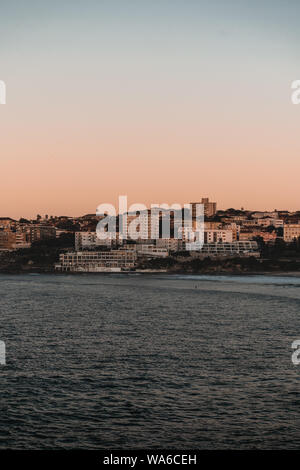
<point>14,235</point>
<point>122,251</point>
<point>126,258</point>
<point>225,234</point>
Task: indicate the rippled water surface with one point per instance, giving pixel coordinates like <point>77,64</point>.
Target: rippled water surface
<point>141,361</point>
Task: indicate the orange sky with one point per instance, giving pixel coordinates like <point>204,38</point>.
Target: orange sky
<point>169,108</point>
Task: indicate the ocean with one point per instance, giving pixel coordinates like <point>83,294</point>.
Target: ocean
<point>111,361</point>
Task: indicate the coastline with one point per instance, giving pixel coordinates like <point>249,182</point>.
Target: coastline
<point>214,273</point>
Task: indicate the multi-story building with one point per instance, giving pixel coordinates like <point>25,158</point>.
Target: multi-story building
<point>7,240</point>
<point>22,240</point>
<point>40,232</point>
<point>210,208</point>
<point>250,222</point>
<point>225,250</point>
<point>97,261</point>
<point>208,236</point>
<point>218,236</point>
<point>144,225</point>
<point>291,232</point>
<point>268,221</point>
<point>266,236</point>
<point>151,251</point>
<point>260,215</point>
<point>235,229</point>
<point>89,241</point>
<point>248,235</point>
<point>213,225</point>
<point>12,240</point>
<point>6,222</point>
<point>170,244</point>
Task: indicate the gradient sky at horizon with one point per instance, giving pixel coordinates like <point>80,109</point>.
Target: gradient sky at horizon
<point>163,101</point>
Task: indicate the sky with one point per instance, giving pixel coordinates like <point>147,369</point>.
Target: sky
<point>165,101</point>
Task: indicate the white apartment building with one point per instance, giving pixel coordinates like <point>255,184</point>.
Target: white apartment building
<point>235,230</point>
<point>218,236</point>
<point>224,250</point>
<point>144,225</point>
<point>291,232</point>
<point>89,240</point>
<point>208,236</point>
<point>97,261</point>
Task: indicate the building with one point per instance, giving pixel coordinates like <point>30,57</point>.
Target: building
<point>260,215</point>
<point>6,222</point>
<point>151,251</point>
<point>213,225</point>
<point>208,236</point>
<point>248,234</point>
<point>7,240</point>
<point>90,241</point>
<point>218,236</point>
<point>40,232</point>
<point>22,240</point>
<point>291,232</point>
<point>97,261</point>
<point>268,221</point>
<point>13,240</point>
<point>227,250</point>
<point>170,244</point>
<point>268,237</point>
<point>235,229</point>
<point>143,225</point>
<point>210,208</point>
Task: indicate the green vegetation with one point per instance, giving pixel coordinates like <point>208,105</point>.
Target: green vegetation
<point>277,257</point>
<point>40,257</point>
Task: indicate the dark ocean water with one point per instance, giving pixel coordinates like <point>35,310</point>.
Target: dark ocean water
<point>141,361</point>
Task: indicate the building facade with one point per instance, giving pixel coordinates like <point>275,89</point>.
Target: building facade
<point>226,250</point>
<point>291,232</point>
<point>210,208</point>
<point>89,241</point>
<point>97,261</point>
